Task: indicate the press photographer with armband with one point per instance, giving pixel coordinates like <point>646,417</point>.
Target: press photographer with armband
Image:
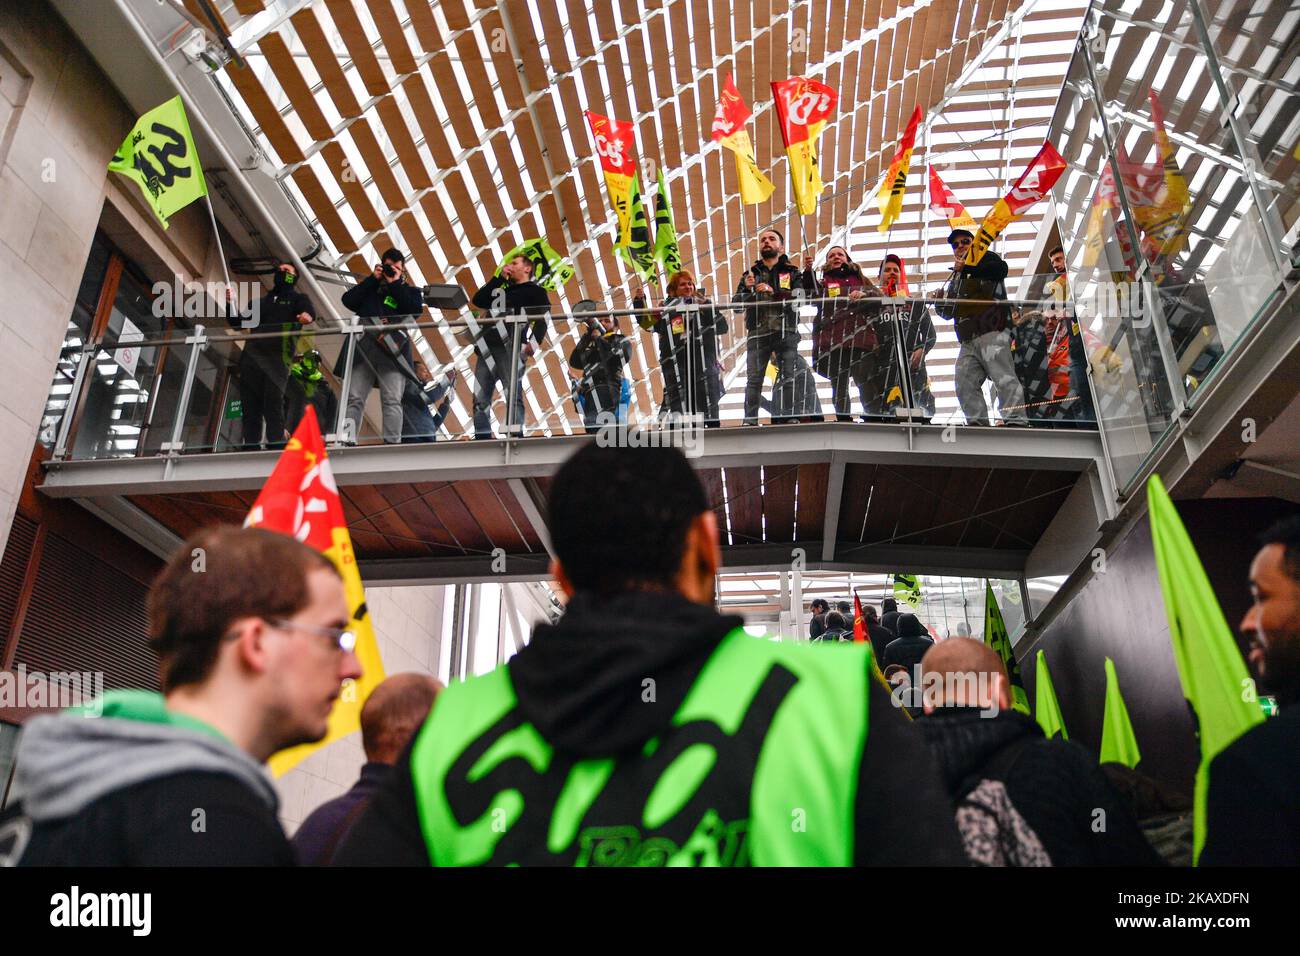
<point>264,362</point>
<point>383,298</point>
<point>596,363</point>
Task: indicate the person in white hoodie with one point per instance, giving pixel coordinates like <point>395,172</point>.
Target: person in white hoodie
<point>250,629</point>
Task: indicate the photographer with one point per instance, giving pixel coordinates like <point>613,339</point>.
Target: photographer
<point>264,362</point>
<point>513,292</point>
<point>597,366</point>
<point>385,298</point>
<point>688,328</point>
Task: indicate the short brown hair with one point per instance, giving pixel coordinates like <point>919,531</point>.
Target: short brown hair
<point>218,576</point>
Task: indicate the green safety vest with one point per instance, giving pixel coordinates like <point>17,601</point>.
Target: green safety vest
<point>759,766</point>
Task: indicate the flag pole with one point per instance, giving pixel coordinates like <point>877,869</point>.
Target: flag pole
<point>216,233</point>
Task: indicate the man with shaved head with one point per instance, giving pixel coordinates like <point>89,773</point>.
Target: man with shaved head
<point>1021,800</point>
<point>390,717</point>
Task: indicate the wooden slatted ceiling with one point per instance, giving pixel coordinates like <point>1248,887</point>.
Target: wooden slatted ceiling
<point>856,148</point>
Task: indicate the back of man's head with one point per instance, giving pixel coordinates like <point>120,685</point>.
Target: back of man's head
<point>888,605</point>
<point>869,612</point>
<point>393,713</point>
<point>963,672</point>
<point>835,621</point>
<point>219,576</point>
<point>630,519</point>
<point>844,607</point>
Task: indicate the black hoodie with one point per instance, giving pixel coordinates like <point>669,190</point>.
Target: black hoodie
<point>1055,786</point>
<point>580,683</point>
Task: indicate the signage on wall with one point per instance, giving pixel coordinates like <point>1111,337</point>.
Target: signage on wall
<point>128,353</point>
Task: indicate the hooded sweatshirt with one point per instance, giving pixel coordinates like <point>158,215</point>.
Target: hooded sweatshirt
<point>910,645</point>
<point>581,685</point>
<point>142,786</point>
<point>1048,792</point>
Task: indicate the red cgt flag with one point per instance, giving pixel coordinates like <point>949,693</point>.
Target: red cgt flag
<point>1033,185</point>
<point>859,621</point>
<point>803,108</point>
<point>301,499</point>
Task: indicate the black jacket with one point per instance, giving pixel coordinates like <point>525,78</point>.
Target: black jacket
<point>320,833</point>
<point>390,303</point>
<point>580,684</point>
<point>910,645</point>
<point>775,311</point>
<point>1054,785</point>
<point>601,358</point>
<point>881,637</point>
<point>275,312</point>
<point>983,281</point>
<point>1252,812</point>
<point>518,298</point>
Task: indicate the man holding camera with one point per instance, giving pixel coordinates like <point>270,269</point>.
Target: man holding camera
<point>512,293</point>
<point>385,298</point>
<point>596,364</point>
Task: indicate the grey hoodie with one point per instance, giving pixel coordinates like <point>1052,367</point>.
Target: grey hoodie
<point>67,761</point>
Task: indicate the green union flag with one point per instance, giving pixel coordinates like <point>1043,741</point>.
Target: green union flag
<point>1046,709</point>
<point>996,637</point>
<point>639,253</point>
<point>667,252</point>
<point>1214,678</point>
<point>1118,743</point>
<point>159,155</point>
<point>908,590</point>
<point>550,271</point>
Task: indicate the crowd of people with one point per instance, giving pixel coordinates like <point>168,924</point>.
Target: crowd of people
<point>866,329</point>
<point>583,749</point>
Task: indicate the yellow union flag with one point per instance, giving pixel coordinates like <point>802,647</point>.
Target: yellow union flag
<point>803,108</point>
<point>1033,185</point>
<point>159,155</point>
<point>729,130</point>
<point>889,197</point>
<point>301,499</point>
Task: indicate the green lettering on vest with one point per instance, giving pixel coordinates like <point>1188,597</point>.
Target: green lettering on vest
<point>733,779</point>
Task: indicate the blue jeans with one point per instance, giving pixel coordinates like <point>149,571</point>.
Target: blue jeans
<point>491,366</point>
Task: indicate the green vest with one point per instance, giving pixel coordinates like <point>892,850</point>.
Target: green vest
<point>759,766</point>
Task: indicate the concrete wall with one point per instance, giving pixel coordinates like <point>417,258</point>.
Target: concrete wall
<point>61,120</point>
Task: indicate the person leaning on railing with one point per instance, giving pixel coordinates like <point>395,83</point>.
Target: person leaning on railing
<point>917,329</point>
<point>844,336</point>
<point>687,328</point>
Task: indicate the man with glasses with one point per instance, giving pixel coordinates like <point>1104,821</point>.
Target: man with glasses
<point>250,629</point>
<point>982,320</point>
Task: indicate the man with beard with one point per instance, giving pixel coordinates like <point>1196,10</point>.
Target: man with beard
<point>1253,807</point>
<point>771,290</point>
